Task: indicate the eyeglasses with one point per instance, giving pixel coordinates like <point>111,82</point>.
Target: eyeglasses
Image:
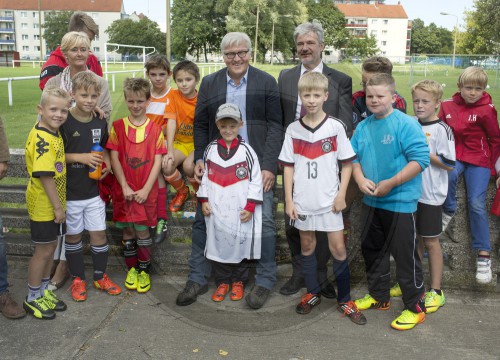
<point>241,54</point>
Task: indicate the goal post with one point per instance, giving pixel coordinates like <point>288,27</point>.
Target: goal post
<point>118,46</point>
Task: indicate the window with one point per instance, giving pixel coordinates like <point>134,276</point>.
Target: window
<point>96,38</point>
<point>373,33</point>
<point>384,43</point>
<point>384,32</point>
<point>36,37</point>
<point>35,26</point>
<point>24,25</point>
<point>24,14</point>
<point>35,14</point>
<point>96,49</point>
<point>386,22</point>
<point>37,48</point>
<point>374,21</point>
<point>9,13</point>
<point>383,52</point>
<point>24,37</point>
<point>95,16</point>
<point>26,48</point>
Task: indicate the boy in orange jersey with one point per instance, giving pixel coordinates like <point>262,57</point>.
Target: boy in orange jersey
<point>180,143</point>
<point>158,72</point>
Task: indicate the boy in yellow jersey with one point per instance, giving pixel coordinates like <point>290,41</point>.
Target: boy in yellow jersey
<point>180,142</point>
<point>158,72</point>
<point>46,199</point>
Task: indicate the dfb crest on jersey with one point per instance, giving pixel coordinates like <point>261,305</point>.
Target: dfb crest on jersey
<point>326,146</point>
<point>241,172</point>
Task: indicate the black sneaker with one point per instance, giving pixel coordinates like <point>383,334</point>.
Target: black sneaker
<point>257,297</point>
<point>161,231</point>
<point>328,290</point>
<point>292,286</point>
<point>53,302</point>
<point>190,293</point>
<point>39,309</point>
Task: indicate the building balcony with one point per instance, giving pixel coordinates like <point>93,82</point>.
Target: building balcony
<point>356,25</point>
<point>6,19</point>
<point>7,42</point>
<point>7,30</point>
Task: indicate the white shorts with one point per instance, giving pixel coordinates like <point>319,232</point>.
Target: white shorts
<point>85,215</point>
<point>321,222</point>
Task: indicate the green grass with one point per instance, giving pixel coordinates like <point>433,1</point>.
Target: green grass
<point>20,117</point>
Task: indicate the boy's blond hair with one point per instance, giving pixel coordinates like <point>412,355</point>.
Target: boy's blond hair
<point>383,79</point>
<point>313,81</point>
<point>377,64</point>
<point>54,92</point>
<point>74,39</point>
<point>429,86</point>
<point>157,61</point>
<point>137,86</point>
<point>85,80</point>
<point>473,75</point>
<point>80,21</point>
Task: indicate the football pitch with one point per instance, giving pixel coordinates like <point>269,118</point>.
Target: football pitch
<point>20,117</point>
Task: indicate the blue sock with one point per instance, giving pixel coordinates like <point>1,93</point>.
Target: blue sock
<point>309,269</point>
<point>33,292</point>
<point>343,277</point>
<point>43,286</point>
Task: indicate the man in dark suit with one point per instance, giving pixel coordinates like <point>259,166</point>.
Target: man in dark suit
<point>309,41</point>
<point>256,93</point>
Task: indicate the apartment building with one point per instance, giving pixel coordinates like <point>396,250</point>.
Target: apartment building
<point>20,23</point>
<point>387,23</point>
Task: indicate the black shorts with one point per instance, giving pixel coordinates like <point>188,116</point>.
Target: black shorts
<point>43,232</point>
<point>429,220</point>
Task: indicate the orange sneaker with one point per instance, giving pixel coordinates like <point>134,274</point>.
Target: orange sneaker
<point>79,289</point>
<point>221,292</point>
<point>107,285</point>
<point>236,291</point>
<point>179,200</point>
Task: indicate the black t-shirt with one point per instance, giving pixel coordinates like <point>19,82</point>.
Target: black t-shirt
<point>79,137</point>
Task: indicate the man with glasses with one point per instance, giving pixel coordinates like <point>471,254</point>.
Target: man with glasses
<point>310,44</point>
<point>370,67</point>
<point>256,94</point>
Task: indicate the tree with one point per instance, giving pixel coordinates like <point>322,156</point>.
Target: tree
<point>430,39</point>
<point>482,35</point>
<point>332,20</point>
<point>55,26</point>
<point>285,14</point>
<point>144,32</point>
<point>198,26</point>
<point>361,47</point>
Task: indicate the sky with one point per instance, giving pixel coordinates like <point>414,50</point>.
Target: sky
<point>427,10</point>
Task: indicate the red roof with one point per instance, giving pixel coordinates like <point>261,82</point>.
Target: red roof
<point>373,11</point>
<point>60,5</point>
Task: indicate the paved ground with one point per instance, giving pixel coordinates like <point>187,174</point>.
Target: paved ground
<point>151,326</point>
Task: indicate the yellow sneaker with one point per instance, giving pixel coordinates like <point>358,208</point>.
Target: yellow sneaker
<point>144,282</point>
<point>408,320</point>
<point>433,301</point>
<point>396,291</point>
<point>370,303</point>
<point>132,279</point>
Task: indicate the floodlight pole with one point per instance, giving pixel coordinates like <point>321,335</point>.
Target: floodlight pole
<point>168,31</point>
<point>456,33</point>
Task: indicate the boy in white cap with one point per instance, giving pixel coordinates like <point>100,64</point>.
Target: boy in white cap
<point>231,196</point>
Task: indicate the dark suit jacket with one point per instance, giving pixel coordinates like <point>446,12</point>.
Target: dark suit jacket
<point>338,105</point>
<point>263,113</point>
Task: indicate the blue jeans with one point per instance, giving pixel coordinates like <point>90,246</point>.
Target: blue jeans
<point>265,276</point>
<point>476,183</point>
<point>3,261</point>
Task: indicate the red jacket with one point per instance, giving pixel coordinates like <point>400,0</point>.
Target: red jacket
<point>56,63</point>
<point>475,127</point>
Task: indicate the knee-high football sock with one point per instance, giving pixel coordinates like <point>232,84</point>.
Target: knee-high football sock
<point>130,252</point>
<point>144,254</point>
<point>99,259</point>
<point>343,277</point>
<point>177,181</point>
<point>194,183</point>
<point>309,269</point>
<point>74,256</point>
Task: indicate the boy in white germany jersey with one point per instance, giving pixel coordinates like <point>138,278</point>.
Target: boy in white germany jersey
<point>426,96</point>
<point>314,200</point>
